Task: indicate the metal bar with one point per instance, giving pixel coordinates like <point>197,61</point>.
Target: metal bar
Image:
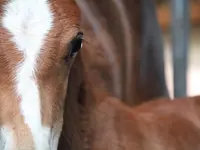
<point>180,44</point>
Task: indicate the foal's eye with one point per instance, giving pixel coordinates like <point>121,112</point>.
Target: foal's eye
<point>75,45</point>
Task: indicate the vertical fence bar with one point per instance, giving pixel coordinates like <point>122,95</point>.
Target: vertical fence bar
<point>180,43</point>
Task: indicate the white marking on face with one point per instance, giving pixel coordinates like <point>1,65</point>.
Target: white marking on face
<point>55,135</point>
<point>29,22</point>
<point>6,139</point>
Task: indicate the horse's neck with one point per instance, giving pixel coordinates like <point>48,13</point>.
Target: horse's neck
<point>109,125</point>
<point>85,101</point>
<point>147,49</point>
<point>79,106</point>
<point>112,125</point>
<point>106,123</point>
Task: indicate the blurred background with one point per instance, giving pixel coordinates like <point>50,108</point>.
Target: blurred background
<point>193,74</point>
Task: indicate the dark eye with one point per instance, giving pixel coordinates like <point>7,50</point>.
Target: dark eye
<point>75,45</point>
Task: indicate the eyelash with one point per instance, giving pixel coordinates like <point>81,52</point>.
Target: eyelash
<point>75,45</point>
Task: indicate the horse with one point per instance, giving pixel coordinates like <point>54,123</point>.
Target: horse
<point>160,124</point>
<point>104,60</point>
<point>95,118</point>
<point>39,40</point>
<point>37,52</point>
<point>138,49</point>
<point>106,122</point>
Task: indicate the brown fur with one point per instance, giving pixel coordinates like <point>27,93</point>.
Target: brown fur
<point>159,125</point>
<point>52,72</point>
<point>94,119</point>
<point>94,64</point>
<point>9,102</point>
<point>104,122</point>
<point>53,68</point>
<point>147,50</point>
<point>107,123</point>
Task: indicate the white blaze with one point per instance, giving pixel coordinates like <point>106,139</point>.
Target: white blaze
<point>29,21</point>
<point>6,139</point>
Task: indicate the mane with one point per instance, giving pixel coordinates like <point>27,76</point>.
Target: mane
<point>107,40</point>
<point>129,35</point>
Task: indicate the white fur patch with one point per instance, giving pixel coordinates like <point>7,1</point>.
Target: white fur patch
<point>6,139</point>
<point>29,21</point>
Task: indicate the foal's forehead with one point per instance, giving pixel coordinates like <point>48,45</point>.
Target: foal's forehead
<point>66,10</point>
<point>60,13</point>
<point>28,22</point>
<point>34,31</point>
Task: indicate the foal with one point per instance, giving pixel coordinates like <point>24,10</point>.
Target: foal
<point>94,120</point>
<point>36,53</point>
<point>102,122</point>
<point>157,125</point>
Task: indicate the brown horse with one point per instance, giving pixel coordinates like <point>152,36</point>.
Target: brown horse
<point>138,49</point>
<point>96,120</point>
<point>38,39</point>
<point>113,69</point>
<point>110,124</point>
<point>158,125</point>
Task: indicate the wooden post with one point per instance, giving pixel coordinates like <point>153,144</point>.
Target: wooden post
<point>180,40</point>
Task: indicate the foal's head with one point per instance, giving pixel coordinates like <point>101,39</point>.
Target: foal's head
<point>38,40</point>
